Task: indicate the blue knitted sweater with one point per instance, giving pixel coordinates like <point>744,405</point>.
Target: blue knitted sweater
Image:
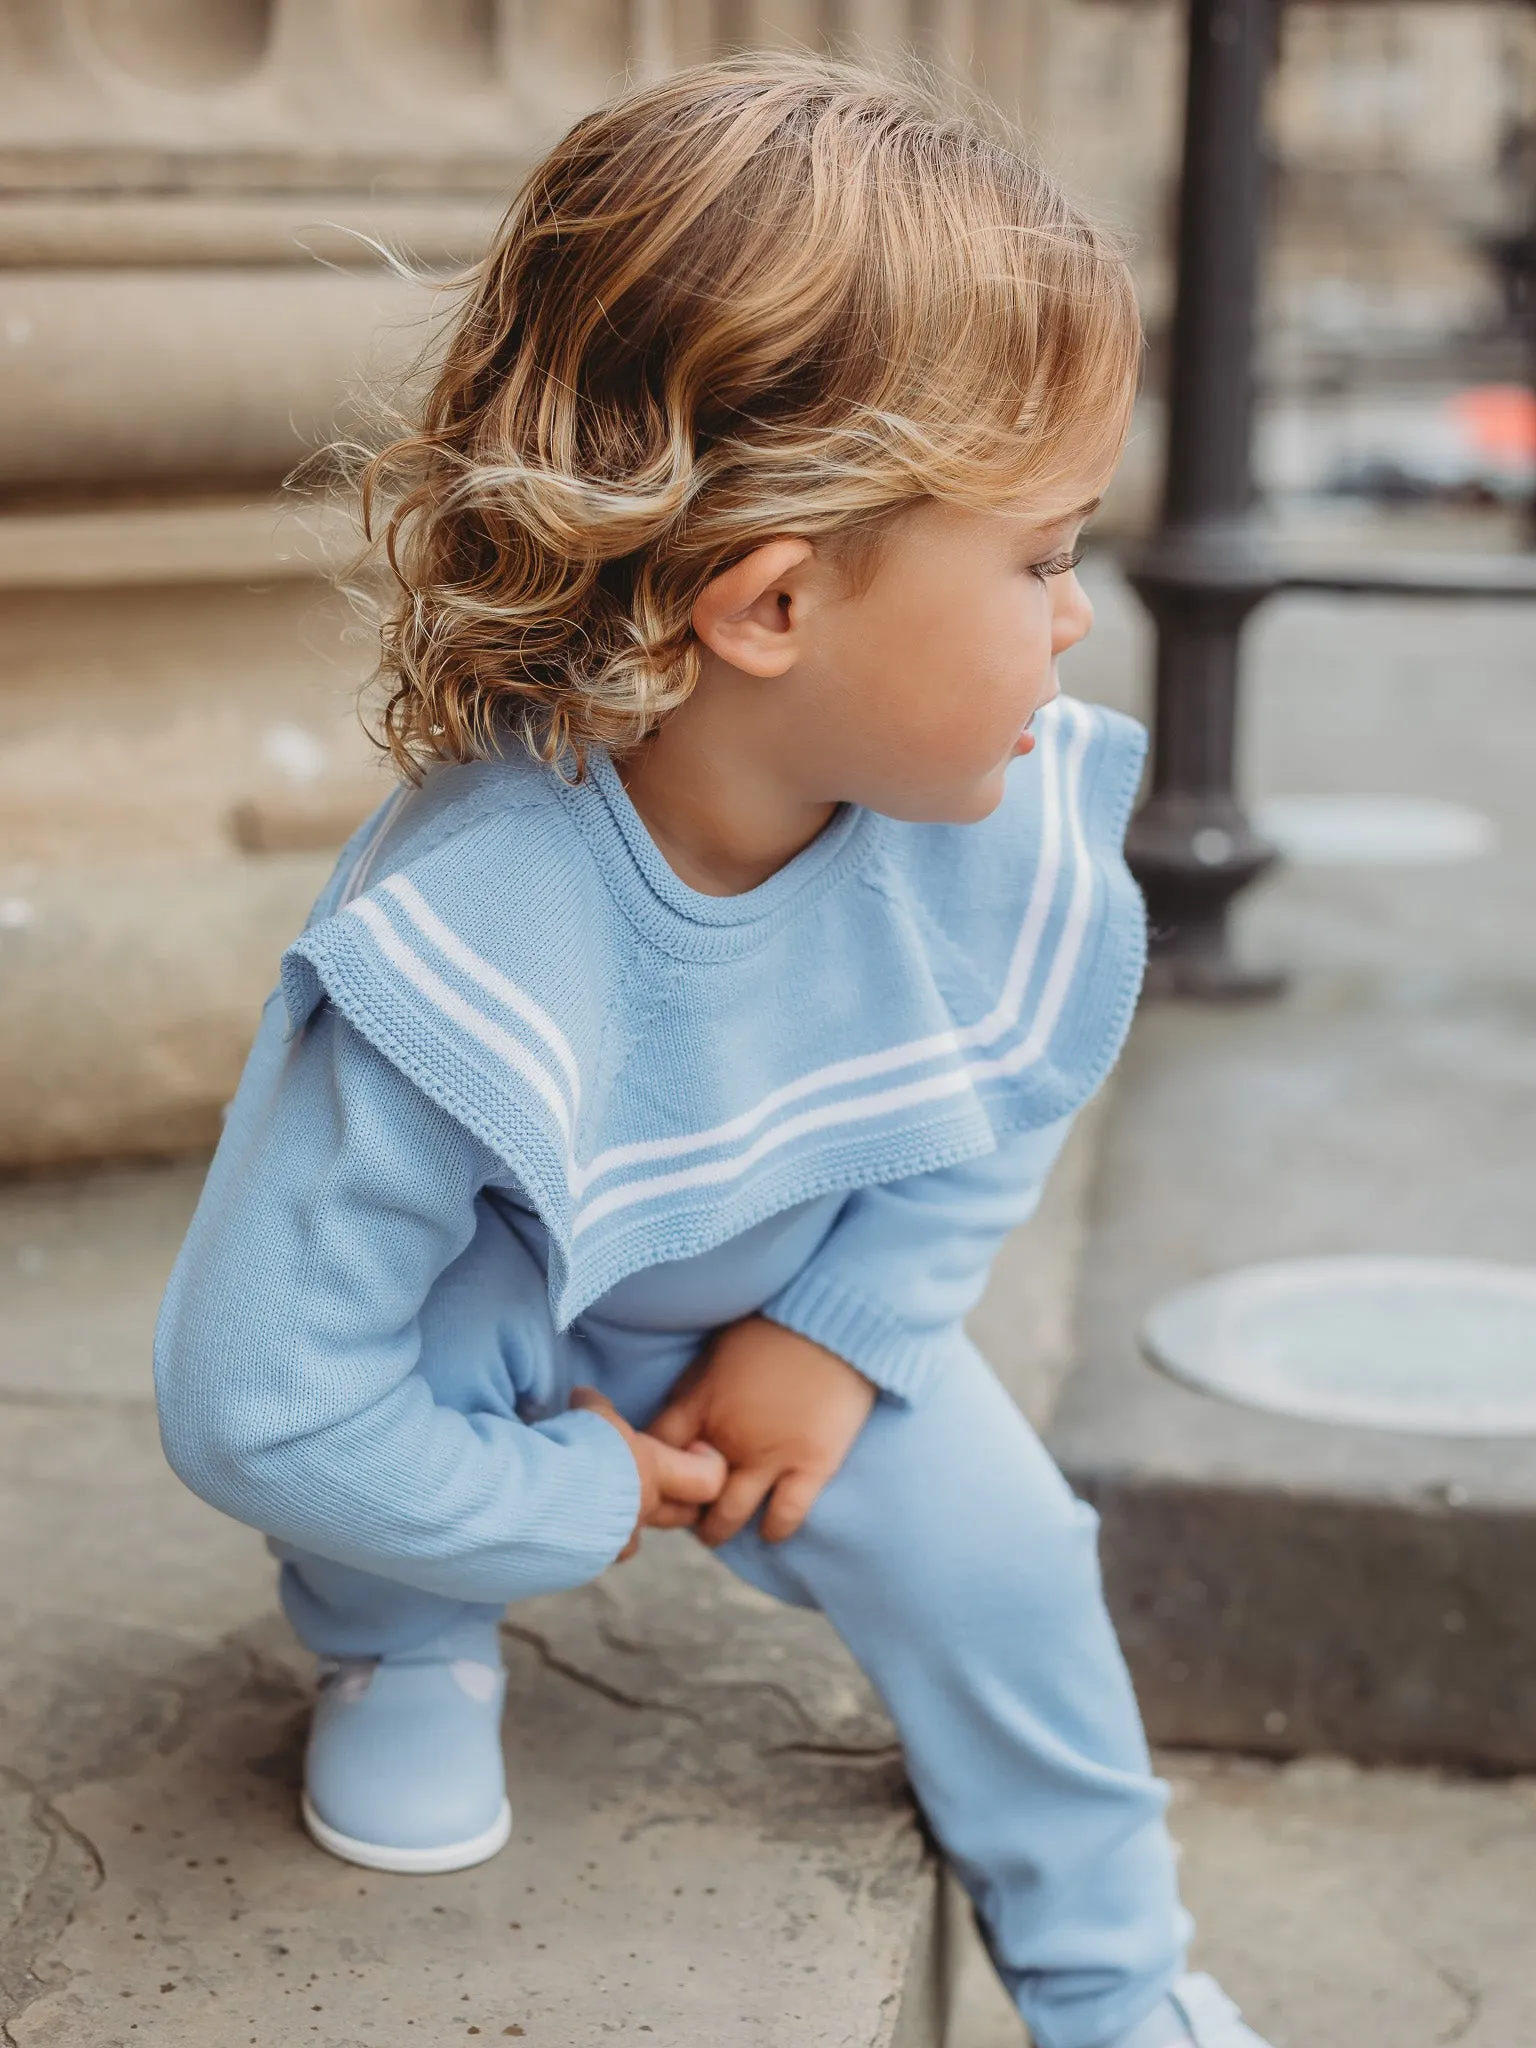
<point>504,986</point>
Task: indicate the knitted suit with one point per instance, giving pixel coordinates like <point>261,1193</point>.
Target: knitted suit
<point>529,1113</point>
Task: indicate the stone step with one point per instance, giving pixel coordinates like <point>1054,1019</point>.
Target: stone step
<point>151,1711</point>
<point>1285,1586</point>
<point>714,1843</point>
<point>129,994</point>
<point>714,1840</point>
<point>145,727</point>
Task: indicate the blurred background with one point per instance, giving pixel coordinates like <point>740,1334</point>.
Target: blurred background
<point>189,303</point>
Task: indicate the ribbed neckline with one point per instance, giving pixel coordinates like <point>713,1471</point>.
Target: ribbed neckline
<point>683,920</point>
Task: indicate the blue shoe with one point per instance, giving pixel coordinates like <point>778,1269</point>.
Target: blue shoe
<point>1197,2013</point>
<point>404,1769</point>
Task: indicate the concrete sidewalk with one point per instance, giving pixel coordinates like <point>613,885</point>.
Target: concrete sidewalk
<point>714,1841</point>
<point>714,1844</point>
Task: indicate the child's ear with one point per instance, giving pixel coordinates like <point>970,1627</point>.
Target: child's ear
<point>747,614</point>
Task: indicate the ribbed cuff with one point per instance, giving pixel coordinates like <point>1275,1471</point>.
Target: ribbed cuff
<point>900,1361</point>
<point>589,1501</point>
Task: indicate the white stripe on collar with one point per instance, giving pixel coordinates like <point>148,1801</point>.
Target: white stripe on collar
<point>1062,834</point>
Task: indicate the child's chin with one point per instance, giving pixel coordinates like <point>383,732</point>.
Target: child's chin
<point>970,806</point>
<point>986,796</point>
<point>964,806</point>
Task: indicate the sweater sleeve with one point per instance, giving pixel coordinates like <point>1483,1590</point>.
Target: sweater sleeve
<point>287,1351</point>
<point>892,1283</point>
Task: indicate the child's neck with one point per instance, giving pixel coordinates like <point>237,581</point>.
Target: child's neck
<point>710,790</point>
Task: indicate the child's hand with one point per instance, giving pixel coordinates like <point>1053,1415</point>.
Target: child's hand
<point>782,1411</point>
<point>676,1480</point>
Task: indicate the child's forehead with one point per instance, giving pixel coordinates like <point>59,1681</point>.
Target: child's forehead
<point>1045,511</point>
<point>1065,509</point>
<point>1038,523</point>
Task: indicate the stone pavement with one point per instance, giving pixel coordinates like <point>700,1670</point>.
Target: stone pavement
<point>685,1808</point>
<point>713,1842</point>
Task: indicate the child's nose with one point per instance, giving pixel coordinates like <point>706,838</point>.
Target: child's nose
<point>1072,613</point>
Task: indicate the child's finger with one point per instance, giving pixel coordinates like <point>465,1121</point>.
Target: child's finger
<point>680,1422</point>
<point>674,1514</point>
<point>594,1402</point>
<point>792,1500</point>
<point>692,1475</point>
<point>740,1499</point>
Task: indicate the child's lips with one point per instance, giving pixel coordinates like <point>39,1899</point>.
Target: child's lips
<point>1025,743</point>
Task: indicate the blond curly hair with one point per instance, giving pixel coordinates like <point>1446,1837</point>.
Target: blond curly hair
<point>768,295</point>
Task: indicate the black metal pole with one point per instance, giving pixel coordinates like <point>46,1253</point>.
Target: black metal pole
<point>1190,846</point>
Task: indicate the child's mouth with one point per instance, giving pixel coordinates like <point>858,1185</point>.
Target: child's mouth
<point>1025,743</point>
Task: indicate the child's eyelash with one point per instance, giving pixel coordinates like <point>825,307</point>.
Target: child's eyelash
<point>1057,565</point>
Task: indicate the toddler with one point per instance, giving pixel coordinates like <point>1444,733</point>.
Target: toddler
<point>643,1105</point>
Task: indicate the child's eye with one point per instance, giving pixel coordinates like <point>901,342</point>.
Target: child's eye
<point>1056,565</point>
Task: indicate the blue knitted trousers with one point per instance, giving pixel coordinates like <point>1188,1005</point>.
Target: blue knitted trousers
<point>962,1573</point>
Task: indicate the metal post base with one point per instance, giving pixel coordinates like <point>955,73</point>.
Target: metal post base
<point>1191,855</point>
<point>1210,975</point>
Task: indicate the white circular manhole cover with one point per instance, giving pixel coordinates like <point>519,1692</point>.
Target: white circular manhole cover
<point>1444,1347</point>
<point>1373,831</point>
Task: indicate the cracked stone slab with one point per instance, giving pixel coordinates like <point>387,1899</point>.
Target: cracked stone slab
<point>1349,1907</point>
<point>698,1855</point>
<point>676,1632</point>
<point>48,1870</point>
<point>115,1578</point>
<point>726,1788</point>
<point>23,1853</point>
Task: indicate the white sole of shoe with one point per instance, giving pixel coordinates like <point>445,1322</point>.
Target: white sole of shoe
<point>410,1862</point>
